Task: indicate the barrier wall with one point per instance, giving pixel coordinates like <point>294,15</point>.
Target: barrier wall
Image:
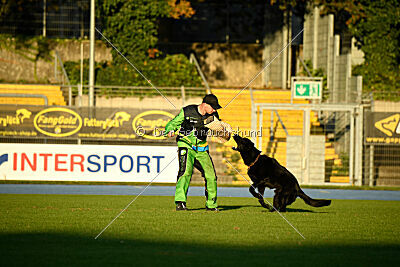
<point>44,162</point>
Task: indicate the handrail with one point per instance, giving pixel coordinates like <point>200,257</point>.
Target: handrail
<point>272,122</point>
<point>283,125</point>
<point>66,77</point>
<point>46,100</point>
<point>193,58</point>
<point>140,87</point>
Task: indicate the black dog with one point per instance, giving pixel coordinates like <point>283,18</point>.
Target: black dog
<point>267,172</point>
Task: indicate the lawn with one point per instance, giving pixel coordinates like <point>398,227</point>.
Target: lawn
<point>58,230</point>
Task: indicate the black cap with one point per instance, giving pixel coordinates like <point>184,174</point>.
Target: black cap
<point>212,100</point>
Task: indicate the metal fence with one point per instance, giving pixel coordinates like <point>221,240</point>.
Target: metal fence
<point>49,18</point>
<point>321,149</point>
<point>77,95</point>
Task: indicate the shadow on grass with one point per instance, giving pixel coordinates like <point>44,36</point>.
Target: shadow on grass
<point>57,249</point>
<point>235,207</point>
<point>226,207</point>
<point>303,210</point>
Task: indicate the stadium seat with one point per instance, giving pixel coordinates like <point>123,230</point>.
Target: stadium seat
<point>52,92</point>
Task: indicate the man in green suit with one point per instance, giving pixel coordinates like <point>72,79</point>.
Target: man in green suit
<point>193,150</point>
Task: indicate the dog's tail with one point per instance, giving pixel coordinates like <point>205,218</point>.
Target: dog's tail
<point>314,202</point>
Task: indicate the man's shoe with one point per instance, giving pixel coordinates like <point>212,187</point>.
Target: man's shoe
<point>181,206</point>
<point>211,209</point>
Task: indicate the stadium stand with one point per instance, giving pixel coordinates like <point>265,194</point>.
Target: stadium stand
<point>238,114</point>
<point>52,92</point>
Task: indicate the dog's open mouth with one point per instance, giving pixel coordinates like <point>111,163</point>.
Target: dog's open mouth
<point>234,148</point>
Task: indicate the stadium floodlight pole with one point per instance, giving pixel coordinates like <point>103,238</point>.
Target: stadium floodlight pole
<point>267,200</point>
<point>91,56</point>
<point>266,66</point>
<point>141,74</point>
<point>127,206</point>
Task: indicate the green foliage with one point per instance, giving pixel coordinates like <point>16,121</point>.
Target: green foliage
<point>173,71</point>
<point>378,35</point>
<point>31,48</point>
<point>376,27</point>
<point>131,26</point>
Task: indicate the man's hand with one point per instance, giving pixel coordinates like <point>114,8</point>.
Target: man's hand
<point>171,134</point>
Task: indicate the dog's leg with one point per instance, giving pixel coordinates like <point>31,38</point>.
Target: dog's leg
<point>284,199</point>
<point>276,201</point>
<point>279,202</point>
<point>253,192</point>
<point>261,190</point>
<point>259,197</point>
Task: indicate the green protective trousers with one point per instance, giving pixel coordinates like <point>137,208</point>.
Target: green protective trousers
<point>189,158</point>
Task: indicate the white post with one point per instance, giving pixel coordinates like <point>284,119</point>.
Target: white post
<point>183,95</point>
<point>91,56</point>
<point>359,146</point>
<point>253,117</point>
<point>289,52</point>
<point>371,165</point>
<point>69,96</point>
<point>81,74</point>
<point>306,145</point>
<point>284,61</point>
<point>315,38</point>
<point>44,17</point>
<point>79,95</point>
<point>55,66</point>
<point>351,156</point>
<point>260,121</point>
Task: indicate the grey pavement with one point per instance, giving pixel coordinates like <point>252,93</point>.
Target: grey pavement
<point>193,191</point>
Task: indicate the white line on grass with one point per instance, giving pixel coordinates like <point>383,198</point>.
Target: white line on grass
<point>135,68</point>
<point>269,63</point>
<point>267,201</point>
<point>135,198</point>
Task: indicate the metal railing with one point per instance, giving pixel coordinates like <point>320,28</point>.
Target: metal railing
<point>272,131</point>
<point>65,75</point>
<point>193,59</point>
<point>140,92</point>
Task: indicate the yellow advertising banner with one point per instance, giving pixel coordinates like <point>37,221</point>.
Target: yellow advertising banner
<point>84,123</point>
<point>382,128</point>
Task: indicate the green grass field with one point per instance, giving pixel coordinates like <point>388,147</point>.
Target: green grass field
<point>58,230</point>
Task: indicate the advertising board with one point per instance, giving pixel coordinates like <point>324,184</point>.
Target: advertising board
<point>48,162</point>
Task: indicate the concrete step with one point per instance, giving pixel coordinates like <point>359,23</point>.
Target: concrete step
<point>339,179</point>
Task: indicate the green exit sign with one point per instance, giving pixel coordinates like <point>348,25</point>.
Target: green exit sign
<point>307,89</point>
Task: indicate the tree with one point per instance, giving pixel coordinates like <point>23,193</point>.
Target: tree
<point>375,26</point>
<point>378,35</point>
<point>132,25</point>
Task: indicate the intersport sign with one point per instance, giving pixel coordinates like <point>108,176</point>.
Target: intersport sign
<point>48,162</point>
